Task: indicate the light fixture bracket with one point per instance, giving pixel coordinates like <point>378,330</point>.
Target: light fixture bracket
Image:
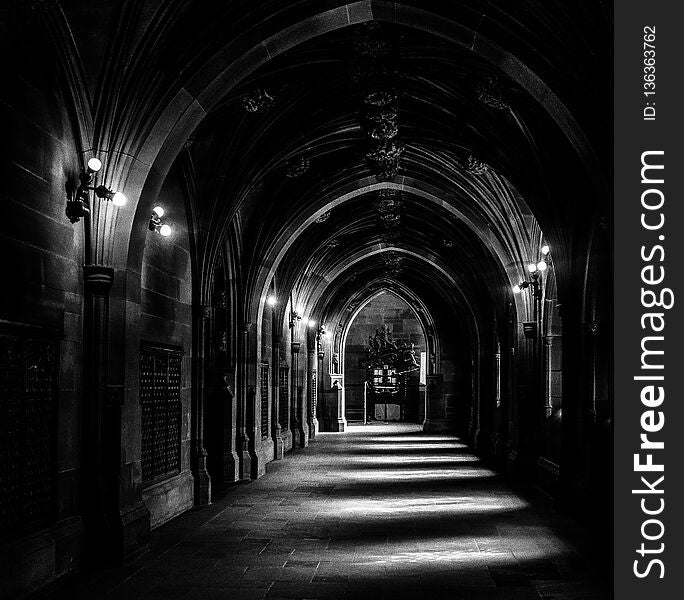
<point>78,204</point>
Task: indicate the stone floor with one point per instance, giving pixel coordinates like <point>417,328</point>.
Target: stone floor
<point>383,511</point>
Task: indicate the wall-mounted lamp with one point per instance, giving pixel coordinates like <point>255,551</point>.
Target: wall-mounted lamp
<point>78,205</point>
<point>271,300</point>
<point>534,269</point>
<point>156,223</point>
<point>295,316</point>
<point>321,334</point>
<point>311,323</point>
<point>532,283</point>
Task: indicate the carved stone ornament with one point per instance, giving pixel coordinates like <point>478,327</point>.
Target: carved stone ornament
<point>489,93</point>
<point>369,41</point>
<point>384,159</point>
<point>389,114</point>
<point>389,236</point>
<point>221,299</point>
<point>393,263</point>
<point>385,130</point>
<point>475,166</point>
<point>380,98</point>
<point>324,217</point>
<point>297,168</point>
<point>258,101</point>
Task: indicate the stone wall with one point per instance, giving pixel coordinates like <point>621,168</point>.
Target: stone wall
<point>41,301</point>
<point>166,321</point>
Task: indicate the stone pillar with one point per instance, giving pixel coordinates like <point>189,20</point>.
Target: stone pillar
<point>436,417</point>
<point>99,491</point>
<point>320,383</point>
<point>231,460</point>
<point>572,484</point>
<point>476,413</point>
<point>243,405</point>
<point>199,454</point>
<point>312,392</point>
<point>522,462</point>
<point>333,410</point>
<point>294,377</point>
<point>276,427</point>
<point>117,522</point>
<point>548,381</point>
<point>592,329</point>
<point>257,461</point>
<point>300,426</point>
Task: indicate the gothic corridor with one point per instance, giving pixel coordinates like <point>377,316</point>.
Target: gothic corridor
<point>384,511</point>
<point>306,299</point>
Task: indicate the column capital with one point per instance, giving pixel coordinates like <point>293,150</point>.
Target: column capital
<point>294,346</point>
<point>593,328</point>
<point>98,279</point>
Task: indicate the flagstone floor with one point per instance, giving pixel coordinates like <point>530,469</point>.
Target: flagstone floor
<point>384,511</point>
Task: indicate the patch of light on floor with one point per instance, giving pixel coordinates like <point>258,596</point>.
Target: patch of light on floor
<point>453,441</point>
<point>444,505</point>
<point>408,474</point>
<point>425,447</point>
<point>458,559</point>
<point>414,458</point>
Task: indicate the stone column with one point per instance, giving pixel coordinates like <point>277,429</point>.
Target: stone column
<point>257,461</point>
<point>522,462</point>
<point>299,426</point>
<point>276,428</point>
<point>436,417</point>
<point>202,481</point>
<point>320,383</point>
<point>294,377</point>
<point>548,406</point>
<point>117,522</point>
<point>333,411</point>
<point>572,483</point>
<point>100,492</point>
<point>231,460</point>
<point>592,329</point>
<point>312,392</point>
<point>243,405</point>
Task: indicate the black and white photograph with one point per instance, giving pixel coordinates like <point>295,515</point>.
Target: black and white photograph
<point>314,300</point>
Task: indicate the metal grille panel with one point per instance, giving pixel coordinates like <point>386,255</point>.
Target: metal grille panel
<point>314,394</point>
<point>263,381</point>
<point>28,412</point>
<point>283,397</point>
<point>160,399</point>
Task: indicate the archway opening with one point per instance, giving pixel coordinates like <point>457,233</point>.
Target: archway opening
<point>391,319</point>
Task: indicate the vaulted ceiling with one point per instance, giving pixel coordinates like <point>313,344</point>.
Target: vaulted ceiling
<point>482,166</point>
<point>430,142</point>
